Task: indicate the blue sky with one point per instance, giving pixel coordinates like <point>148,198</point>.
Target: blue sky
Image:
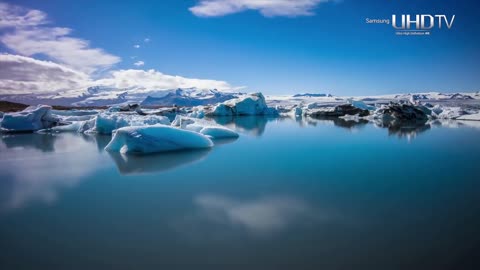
<point>331,49</point>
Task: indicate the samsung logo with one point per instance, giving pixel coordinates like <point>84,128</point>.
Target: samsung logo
<point>421,21</point>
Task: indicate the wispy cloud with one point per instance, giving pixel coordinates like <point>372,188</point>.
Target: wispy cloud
<point>136,46</point>
<point>146,40</point>
<point>268,8</point>
<point>27,33</point>
<point>139,63</point>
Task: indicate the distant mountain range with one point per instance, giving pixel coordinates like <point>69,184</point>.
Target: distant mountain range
<point>105,96</point>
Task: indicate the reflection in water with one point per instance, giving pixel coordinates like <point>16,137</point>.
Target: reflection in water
<point>262,215</point>
<point>407,130</point>
<point>42,142</point>
<point>253,125</point>
<point>455,123</point>
<point>33,174</point>
<point>138,164</point>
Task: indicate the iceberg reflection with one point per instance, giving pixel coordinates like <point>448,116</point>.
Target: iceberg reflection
<point>138,164</point>
<point>252,125</point>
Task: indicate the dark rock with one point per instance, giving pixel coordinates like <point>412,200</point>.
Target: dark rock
<point>340,110</point>
<point>402,113</point>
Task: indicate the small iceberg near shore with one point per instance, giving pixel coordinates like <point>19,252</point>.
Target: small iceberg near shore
<point>156,138</point>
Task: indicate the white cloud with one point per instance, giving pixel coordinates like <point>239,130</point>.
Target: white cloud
<point>25,75</point>
<point>14,16</point>
<point>72,61</point>
<point>27,34</point>
<point>155,80</point>
<point>268,8</point>
<point>139,63</point>
<point>136,46</point>
<point>146,40</point>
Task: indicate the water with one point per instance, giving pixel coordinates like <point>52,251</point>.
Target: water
<point>285,195</point>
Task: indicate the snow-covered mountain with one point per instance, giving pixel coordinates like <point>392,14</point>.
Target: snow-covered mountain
<point>189,97</point>
<point>105,96</point>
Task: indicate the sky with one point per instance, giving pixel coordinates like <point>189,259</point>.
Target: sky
<point>272,46</point>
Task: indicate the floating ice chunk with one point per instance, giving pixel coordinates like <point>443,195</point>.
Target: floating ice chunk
<point>105,123</point>
<point>74,112</point>
<point>197,113</point>
<point>472,117</point>
<point>297,111</point>
<point>31,119</point>
<point>205,127</point>
<point>218,132</point>
<point>252,104</point>
<point>312,105</point>
<point>401,113</point>
<point>76,126</point>
<point>156,138</point>
<point>450,112</point>
<point>361,105</point>
<point>222,110</point>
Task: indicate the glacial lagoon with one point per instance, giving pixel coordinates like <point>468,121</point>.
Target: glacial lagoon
<point>287,194</point>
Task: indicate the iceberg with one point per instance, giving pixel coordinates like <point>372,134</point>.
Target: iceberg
<point>76,126</point>
<point>252,104</point>
<point>204,127</point>
<point>471,117</point>
<point>33,118</point>
<point>361,105</point>
<point>156,138</point>
<point>105,123</point>
<point>401,112</point>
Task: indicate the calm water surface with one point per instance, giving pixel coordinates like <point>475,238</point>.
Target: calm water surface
<point>286,195</point>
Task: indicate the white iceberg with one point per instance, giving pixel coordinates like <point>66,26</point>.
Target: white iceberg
<point>471,117</point>
<point>448,112</point>
<point>76,126</point>
<point>105,123</point>
<point>222,110</point>
<point>252,104</point>
<point>361,105</point>
<point>31,119</point>
<point>156,138</point>
<point>204,127</point>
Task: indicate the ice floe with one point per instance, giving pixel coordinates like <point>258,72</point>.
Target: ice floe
<point>156,138</point>
<point>204,127</point>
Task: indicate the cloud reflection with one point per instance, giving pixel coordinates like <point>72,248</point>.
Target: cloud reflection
<point>36,167</point>
<point>262,215</point>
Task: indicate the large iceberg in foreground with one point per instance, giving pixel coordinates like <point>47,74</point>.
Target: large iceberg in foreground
<point>156,138</point>
<point>205,127</point>
<point>31,119</point>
